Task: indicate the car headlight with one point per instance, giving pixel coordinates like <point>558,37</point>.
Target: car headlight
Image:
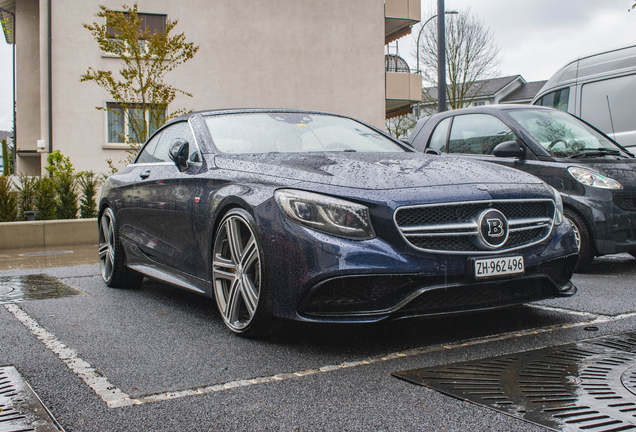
<point>326,214</point>
<point>594,179</point>
<point>558,202</point>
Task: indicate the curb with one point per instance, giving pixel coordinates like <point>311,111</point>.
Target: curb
<point>48,233</point>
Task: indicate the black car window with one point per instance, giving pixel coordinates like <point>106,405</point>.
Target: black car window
<point>179,130</point>
<point>295,132</point>
<point>562,134</point>
<point>146,155</point>
<point>438,139</point>
<point>194,150</point>
<point>477,134</point>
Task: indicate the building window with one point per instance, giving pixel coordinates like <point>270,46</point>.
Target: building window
<point>479,104</point>
<point>152,22</point>
<point>132,123</point>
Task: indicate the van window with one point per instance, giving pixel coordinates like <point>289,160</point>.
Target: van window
<point>557,99</point>
<point>615,95</point>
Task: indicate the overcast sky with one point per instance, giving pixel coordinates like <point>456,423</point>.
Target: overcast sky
<point>536,37</point>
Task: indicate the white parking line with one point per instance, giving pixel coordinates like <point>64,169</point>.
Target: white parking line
<point>110,394</point>
<point>562,310</point>
<point>115,398</point>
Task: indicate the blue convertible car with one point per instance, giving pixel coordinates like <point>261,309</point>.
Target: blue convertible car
<point>306,216</point>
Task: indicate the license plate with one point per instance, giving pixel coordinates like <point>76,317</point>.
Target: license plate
<point>499,266</point>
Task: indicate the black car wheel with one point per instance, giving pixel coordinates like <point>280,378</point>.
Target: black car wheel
<point>239,287</point>
<point>583,239</point>
<point>111,255</point>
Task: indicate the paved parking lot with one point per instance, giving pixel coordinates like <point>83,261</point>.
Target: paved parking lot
<point>158,358</point>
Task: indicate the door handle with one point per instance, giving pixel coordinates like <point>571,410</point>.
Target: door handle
<point>145,174</point>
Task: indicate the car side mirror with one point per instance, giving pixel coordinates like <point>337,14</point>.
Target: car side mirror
<point>511,149</point>
<point>433,151</point>
<point>179,153</point>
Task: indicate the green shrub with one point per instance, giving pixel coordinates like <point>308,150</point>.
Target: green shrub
<point>88,182</point>
<point>8,201</point>
<point>45,199</point>
<point>66,196</point>
<point>61,170</point>
<point>26,195</point>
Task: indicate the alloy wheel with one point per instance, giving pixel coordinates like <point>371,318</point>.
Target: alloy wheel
<point>236,272</point>
<point>107,247</point>
<point>577,233</point>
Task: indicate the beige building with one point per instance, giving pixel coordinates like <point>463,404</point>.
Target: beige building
<point>323,55</point>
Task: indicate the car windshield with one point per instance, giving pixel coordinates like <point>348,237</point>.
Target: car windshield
<point>294,132</point>
<point>563,135</point>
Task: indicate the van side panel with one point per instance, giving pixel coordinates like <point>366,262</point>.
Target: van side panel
<point>608,64</point>
<point>615,95</point>
<point>594,78</point>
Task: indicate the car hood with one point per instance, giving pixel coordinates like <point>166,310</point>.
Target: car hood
<point>373,170</point>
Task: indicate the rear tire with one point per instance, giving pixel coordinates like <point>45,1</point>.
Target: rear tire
<point>583,239</point>
<point>240,287</point>
<point>111,255</point>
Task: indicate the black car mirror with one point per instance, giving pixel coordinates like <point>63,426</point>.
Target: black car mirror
<point>510,149</point>
<point>433,151</point>
<point>179,153</point>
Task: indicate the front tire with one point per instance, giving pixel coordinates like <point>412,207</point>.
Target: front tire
<point>111,255</point>
<point>239,286</point>
<point>583,239</point>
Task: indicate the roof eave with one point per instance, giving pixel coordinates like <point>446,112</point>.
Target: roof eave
<point>7,17</point>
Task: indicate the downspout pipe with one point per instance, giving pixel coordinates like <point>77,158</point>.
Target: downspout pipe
<point>13,101</point>
<point>50,79</point>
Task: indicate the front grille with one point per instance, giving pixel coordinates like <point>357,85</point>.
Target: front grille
<point>464,243</point>
<point>621,236</point>
<point>559,270</point>
<point>364,293</point>
<point>375,294</point>
<point>452,213</point>
<point>626,202</point>
<point>452,227</point>
<point>494,294</point>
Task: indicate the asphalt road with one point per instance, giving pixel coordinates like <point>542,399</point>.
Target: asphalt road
<point>160,359</point>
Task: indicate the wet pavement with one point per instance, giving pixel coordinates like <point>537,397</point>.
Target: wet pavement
<point>159,358</point>
<point>56,256</point>
<point>14,289</point>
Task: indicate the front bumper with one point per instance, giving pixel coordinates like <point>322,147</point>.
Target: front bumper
<point>316,277</point>
<point>612,227</point>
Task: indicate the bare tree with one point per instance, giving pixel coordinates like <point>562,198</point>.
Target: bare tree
<point>471,57</point>
<point>400,126</point>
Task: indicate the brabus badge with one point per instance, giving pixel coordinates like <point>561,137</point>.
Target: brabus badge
<point>492,229</point>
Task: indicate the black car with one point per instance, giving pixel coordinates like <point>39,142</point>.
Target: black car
<point>305,216</point>
<point>595,175</point>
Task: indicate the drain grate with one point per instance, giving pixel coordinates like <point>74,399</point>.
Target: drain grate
<point>20,408</point>
<point>583,386</point>
<point>33,287</point>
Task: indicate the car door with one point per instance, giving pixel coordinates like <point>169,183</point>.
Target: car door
<point>166,196</point>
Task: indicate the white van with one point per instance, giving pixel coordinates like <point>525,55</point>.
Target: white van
<point>600,88</point>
